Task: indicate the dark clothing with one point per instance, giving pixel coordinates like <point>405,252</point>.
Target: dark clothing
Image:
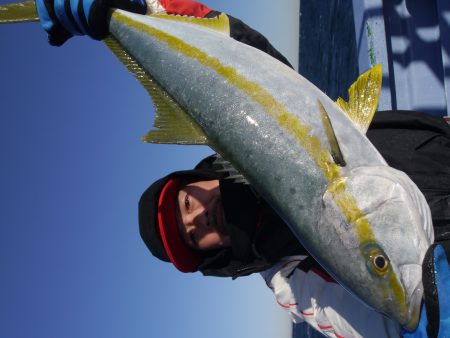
<point>245,34</point>
<point>419,145</point>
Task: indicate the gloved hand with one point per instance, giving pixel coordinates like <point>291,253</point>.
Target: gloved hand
<point>435,316</point>
<point>64,18</point>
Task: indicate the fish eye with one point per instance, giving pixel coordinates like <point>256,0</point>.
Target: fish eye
<point>376,259</point>
<point>380,262</point>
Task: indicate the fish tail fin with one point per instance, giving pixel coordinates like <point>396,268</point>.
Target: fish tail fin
<point>363,96</point>
<point>19,12</point>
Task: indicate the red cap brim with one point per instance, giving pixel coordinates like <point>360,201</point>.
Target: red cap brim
<point>179,253</point>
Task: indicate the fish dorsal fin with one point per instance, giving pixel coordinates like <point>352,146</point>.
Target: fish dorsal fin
<point>224,167</point>
<point>18,12</point>
<point>220,23</point>
<point>363,96</point>
<point>335,150</point>
<point>174,125</point>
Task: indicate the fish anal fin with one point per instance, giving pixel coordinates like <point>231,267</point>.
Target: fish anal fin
<point>173,125</point>
<point>363,96</point>
<point>336,152</point>
<point>18,12</point>
<point>220,23</point>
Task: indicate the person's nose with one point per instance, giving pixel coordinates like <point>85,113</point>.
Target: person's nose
<point>198,217</point>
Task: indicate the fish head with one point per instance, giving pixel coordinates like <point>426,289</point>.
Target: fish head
<point>381,229</point>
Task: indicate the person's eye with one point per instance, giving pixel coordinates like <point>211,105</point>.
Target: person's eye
<point>187,202</point>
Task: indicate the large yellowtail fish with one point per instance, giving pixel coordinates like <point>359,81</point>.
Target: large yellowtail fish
<point>366,223</point>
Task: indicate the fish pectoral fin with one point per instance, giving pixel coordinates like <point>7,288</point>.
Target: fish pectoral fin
<point>363,96</point>
<point>220,23</point>
<point>173,125</point>
<point>18,12</point>
<point>335,150</point>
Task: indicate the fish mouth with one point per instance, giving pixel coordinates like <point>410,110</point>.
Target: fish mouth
<point>414,308</point>
<point>411,280</point>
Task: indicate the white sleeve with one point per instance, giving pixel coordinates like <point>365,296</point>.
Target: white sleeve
<point>155,7</point>
<point>314,297</point>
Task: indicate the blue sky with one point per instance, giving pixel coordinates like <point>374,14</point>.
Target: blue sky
<point>72,170</point>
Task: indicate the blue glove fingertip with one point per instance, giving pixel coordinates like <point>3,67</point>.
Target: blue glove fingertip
<point>74,7</point>
<point>442,266</point>
<point>65,18</point>
<point>57,33</point>
<point>87,6</point>
<point>442,273</point>
<point>44,15</point>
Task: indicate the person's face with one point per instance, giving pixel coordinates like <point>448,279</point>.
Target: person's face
<point>200,216</point>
